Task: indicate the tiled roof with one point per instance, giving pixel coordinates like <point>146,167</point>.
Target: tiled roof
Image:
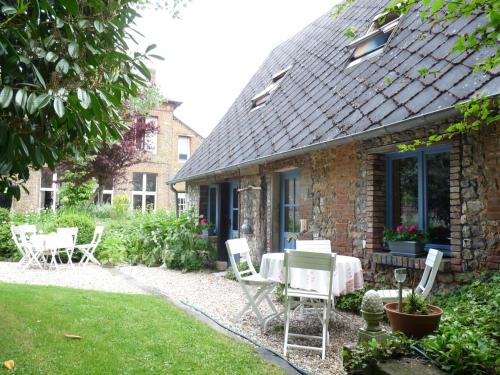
<point>320,100</point>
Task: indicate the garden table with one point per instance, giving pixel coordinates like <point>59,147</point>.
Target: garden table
<point>50,244</point>
<point>347,278</point>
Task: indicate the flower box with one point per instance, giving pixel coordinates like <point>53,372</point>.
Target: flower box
<point>406,248</point>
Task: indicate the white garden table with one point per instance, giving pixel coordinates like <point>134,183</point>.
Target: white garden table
<point>347,278</point>
<point>50,244</point>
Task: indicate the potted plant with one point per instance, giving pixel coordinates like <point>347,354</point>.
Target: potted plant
<point>405,241</point>
<point>416,319</point>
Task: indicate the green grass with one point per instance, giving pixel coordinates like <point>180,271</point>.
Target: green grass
<point>121,334</point>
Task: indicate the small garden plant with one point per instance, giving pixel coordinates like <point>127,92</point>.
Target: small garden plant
<point>404,233</point>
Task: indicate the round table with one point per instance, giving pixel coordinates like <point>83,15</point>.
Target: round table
<point>347,278</point>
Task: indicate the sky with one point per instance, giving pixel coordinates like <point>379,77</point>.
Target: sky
<point>214,49</point>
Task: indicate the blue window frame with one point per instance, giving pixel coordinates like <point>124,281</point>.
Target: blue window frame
<point>419,179</point>
<point>213,208</point>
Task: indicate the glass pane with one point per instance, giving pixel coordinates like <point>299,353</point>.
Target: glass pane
<point>47,175</point>
<point>234,222</point>
<point>108,185</point>
<point>235,198</point>
<point>212,197</point>
<point>438,197</point>
<point>289,191</point>
<point>150,202</point>
<point>150,141</point>
<point>46,199</point>
<point>106,198</point>
<point>405,191</point>
<point>290,220</point>
<point>137,202</point>
<point>296,221</point>
<point>137,181</point>
<point>150,182</point>
<point>371,45</point>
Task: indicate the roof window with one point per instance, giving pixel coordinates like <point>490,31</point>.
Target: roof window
<point>262,97</point>
<point>375,39</point>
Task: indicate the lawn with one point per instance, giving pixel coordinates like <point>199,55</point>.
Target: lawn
<point>121,334</point>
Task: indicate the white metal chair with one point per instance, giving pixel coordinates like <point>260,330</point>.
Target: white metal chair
<point>424,287</point>
<point>250,277</point>
<point>16,231</point>
<point>89,249</point>
<point>32,253</point>
<point>67,239</point>
<point>296,259</point>
<point>321,246</point>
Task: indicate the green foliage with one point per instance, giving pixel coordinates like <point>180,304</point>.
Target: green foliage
<point>230,275</point>
<point>415,304</point>
<point>7,246</point>
<point>150,98</point>
<point>75,194</point>
<point>84,223</point>
<point>66,70</point>
<point>185,248</point>
<point>120,206</point>
<point>351,32</point>
<point>403,233</point>
<point>467,341</point>
<point>351,302</point>
<point>396,345</point>
<point>113,247</point>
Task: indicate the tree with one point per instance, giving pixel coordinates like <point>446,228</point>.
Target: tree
<point>110,161</point>
<point>479,110</point>
<point>65,70</point>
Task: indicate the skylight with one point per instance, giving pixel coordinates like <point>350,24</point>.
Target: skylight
<point>262,97</point>
<point>375,39</point>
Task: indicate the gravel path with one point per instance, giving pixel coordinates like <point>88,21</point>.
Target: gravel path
<point>218,297</point>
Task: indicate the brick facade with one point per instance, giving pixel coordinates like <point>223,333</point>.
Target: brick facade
<point>164,163</point>
<point>342,196</point>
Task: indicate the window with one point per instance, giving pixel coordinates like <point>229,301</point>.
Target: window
<point>147,140</point>
<point>107,193</point>
<point>373,42</point>
<point>183,145</point>
<point>213,213</point>
<point>181,202</point>
<point>262,97</point>
<point>418,191</point>
<point>144,191</point>
<point>48,189</point>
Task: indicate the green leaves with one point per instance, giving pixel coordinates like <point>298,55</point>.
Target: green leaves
<point>59,107</point>
<point>73,49</point>
<point>98,26</point>
<point>62,66</point>
<point>6,96</point>
<point>31,105</point>
<point>83,97</point>
<point>21,98</point>
<point>51,57</point>
<point>42,100</point>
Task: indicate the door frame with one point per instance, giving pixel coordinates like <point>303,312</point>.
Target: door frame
<point>294,173</point>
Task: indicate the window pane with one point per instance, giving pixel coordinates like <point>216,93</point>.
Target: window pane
<point>235,198</point>
<point>405,191</point>
<point>183,148</point>
<point>47,175</point>
<point>137,202</point>
<point>234,222</point>
<point>108,185</point>
<point>289,191</point>
<point>150,202</point>
<point>137,181</point>
<point>212,197</point>
<point>150,182</point>
<point>438,197</point>
<point>107,198</point>
<point>150,139</point>
<point>47,198</point>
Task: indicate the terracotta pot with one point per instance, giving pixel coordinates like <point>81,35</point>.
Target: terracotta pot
<point>413,325</point>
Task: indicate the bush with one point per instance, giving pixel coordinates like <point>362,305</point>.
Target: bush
<point>351,302</point>
<point>120,206</point>
<point>113,247</point>
<point>84,223</point>
<point>75,194</point>
<point>186,249</point>
<point>8,248</point>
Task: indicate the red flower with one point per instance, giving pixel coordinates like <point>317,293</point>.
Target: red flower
<point>400,228</point>
<point>203,220</point>
<point>413,228</point>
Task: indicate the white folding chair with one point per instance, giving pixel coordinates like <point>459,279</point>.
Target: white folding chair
<point>424,287</point>
<point>33,250</point>
<point>250,277</point>
<point>67,242</point>
<point>16,237</point>
<point>321,246</point>
<point>89,249</point>
<point>309,260</point>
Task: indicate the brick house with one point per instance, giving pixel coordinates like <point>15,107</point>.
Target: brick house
<point>310,146</point>
<point>168,149</point>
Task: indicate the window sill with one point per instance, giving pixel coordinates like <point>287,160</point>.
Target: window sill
<point>388,259</point>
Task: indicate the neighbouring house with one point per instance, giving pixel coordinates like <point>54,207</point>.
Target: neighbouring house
<point>310,146</point>
<point>146,186</point>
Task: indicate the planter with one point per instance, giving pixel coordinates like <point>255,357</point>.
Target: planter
<point>220,265</point>
<point>445,249</point>
<point>413,325</point>
<point>406,248</point>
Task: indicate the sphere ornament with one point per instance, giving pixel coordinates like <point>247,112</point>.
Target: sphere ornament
<point>372,311</point>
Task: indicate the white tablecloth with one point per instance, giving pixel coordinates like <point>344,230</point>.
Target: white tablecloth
<point>347,278</point>
<point>52,241</point>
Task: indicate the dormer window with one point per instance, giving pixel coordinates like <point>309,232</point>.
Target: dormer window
<point>262,97</point>
<point>372,43</point>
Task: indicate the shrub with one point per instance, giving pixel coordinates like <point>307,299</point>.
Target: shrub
<point>351,302</point>
<point>186,249</point>
<point>75,194</point>
<point>84,223</point>
<point>112,249</point>
<point>120,206</point>
<point>8,248</point>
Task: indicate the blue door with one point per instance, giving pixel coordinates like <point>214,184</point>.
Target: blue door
<point>289,208</point>
<point>234,209</point>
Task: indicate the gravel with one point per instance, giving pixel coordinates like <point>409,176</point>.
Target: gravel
<point>219,298</point>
